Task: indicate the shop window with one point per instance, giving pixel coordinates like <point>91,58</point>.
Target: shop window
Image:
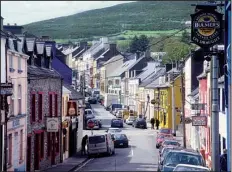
<point>50,105</point>
<point>57,141</point>
<point>33,108</point>
<point>224,142</point>
<point>49,143</point>
<point>40,106</point>
<point>42,145</point>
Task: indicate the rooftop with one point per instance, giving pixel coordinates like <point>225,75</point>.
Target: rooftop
<point>75,95</point>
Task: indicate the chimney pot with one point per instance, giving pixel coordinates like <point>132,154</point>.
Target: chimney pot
<point>15,24</point>
<point>8,24</point>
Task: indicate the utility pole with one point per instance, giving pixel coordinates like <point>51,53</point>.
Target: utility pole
<point>182,106</point>
<point>214,112</point>
<point>173,104</point>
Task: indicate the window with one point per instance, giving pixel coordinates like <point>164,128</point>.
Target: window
<point>49,143</point>
<point>11,61</point>
<point>223,100</point>
<point>33,108</point>
<point>19,99</point>
<point>21,146</point>
<point>223,142</point>
<point>9,157</point>
<point>40,107</point>
<point>57,141</point>
<point>50,105</point>
<point>56,105</point>
<point>42,145</point>
<point>63,106</point>
<point>219,99</point>
<point>12,106</point>
<point>19,63</point>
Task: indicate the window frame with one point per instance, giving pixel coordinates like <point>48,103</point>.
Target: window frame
<point>19,63</point>
<point>33,107</point>
<point>40,107</point>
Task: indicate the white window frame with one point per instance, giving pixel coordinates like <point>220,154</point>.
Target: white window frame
<point>19,63</point>
<point>11,65</point>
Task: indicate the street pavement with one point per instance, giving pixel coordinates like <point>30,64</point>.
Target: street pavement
<point>141,155</point>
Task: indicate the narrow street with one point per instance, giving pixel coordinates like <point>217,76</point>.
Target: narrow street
<point>140,156</point>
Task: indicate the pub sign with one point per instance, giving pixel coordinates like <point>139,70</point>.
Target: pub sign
<point>72,108</point>
<point>206,28</point>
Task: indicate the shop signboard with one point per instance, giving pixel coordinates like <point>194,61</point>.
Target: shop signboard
<point>199,121</point>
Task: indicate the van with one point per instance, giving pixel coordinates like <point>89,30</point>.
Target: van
<point>100,144</point>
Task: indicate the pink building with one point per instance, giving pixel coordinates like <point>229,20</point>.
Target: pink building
<point>17,125</point>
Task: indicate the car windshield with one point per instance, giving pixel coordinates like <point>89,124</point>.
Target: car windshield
<point>166,151</point>
<point>166,131</point>
<point>120,136</point>
<point>169,142</point>
<point>96,139</point>
<point>88,112</point>
<point>174,158</point>
<point>183,168</point>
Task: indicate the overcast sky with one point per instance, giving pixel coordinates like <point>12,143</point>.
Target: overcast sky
<point>23,12</point>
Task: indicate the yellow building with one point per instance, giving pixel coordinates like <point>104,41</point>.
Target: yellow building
<point>163,106</point>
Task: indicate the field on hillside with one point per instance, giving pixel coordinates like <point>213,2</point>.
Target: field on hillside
<point>125,36</point>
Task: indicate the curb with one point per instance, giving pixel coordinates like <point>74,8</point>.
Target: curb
<point>76,166</point>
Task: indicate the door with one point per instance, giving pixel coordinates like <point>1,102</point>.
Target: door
<point>36,152</point>
<point>53,149</point>
<point>29,153</point>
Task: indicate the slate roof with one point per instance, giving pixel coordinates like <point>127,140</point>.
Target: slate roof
<point>93,47</point>
<point>125,66</point>
<point>149,69</point>
<point>76,51</point>
<point>75,95</point>
<point>117,57</point>
<point>79,54</point>
<point>99,57</point>
<point>152,77</point>
<point>34,71</point>
<point>194,92</point>
<point>98,53</point>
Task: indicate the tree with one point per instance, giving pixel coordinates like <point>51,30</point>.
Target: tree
<point>139,44</point>
<point>185,37</point>
<point>176,51</point>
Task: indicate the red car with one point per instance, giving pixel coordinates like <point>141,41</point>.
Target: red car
<point>161,137</point>
<point>165,131</point>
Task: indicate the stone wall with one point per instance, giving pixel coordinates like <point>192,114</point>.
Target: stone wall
<point>45,86</point>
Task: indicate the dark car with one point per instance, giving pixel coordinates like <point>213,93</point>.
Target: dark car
<point>165,151</point>
<point>140,123</point>
<point>175,157</point>
<point>87,105</point>
<point>118,122</point>
<point>93,100</point>
<point>120,140</point>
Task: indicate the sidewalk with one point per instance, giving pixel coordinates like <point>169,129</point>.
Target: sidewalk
<point>68,164</point>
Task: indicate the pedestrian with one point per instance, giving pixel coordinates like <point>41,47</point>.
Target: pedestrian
<point>152,123</point>
<point>223,161</point>
<point>83,144</point>
<point>157,122</point>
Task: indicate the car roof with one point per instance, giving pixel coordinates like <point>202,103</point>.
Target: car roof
<point>187,151</point>
<point>195,166</point>
<point>88,110</point>
<point>114,128</point>
<point>96,135</point>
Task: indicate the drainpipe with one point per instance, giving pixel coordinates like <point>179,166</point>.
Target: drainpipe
<point>61,129</point>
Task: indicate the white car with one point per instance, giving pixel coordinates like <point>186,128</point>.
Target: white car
<point>187,167</point>
<point>114,130</point>
<point>130,120</point>
<point>89,114</point>
<point>119,114</point>
<point>116,110</point>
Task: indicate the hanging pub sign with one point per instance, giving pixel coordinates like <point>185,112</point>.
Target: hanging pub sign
<point>72,109</point>
<point>206,28</point>
<point>199,121</point>
<point>52,124</point>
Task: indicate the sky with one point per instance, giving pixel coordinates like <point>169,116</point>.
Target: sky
<point>24,12</point>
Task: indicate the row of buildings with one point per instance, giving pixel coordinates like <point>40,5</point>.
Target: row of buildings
<point>36,130</point>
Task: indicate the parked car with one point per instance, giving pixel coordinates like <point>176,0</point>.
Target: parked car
<point>114,112</point>
<point>140,123</point>
<point>89,114</point>
<point>87,105</point>
<point>175,157</point>
<point>119,113</point>
<point>165,131</point>
<point>120,140</point>
<point>164,151</point>
<point>118,122</point>
<point>169,143</point>
<point>97,124</point>
<point>161,137</point>
<point>130,120</point>
<point>113,130</point>
<point>93,100</point>
<point>100,144</point>
<point>187,167</point>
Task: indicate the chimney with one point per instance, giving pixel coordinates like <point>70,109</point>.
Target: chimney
<point>134,73</point>
<point>15,24</point>
<point>113,48</point>
<point>45,37</point>
<point>2,23</point>
<point>14,29</point>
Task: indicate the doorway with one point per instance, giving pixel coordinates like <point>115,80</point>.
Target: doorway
<point>36,152</point>
<point>29,153</point>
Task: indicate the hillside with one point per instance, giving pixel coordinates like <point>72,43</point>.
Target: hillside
<point>139,16</point>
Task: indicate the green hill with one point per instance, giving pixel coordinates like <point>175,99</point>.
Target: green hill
<point>139,16</point>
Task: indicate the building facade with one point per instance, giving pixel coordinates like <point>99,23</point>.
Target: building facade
<point>17,117</point>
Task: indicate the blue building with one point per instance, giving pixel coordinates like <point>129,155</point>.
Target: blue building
<point>228,80</point>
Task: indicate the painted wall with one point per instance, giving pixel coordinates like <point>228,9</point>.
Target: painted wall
<point>3,60</point>
<point>17,126</point>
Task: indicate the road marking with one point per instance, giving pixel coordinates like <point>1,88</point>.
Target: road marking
<point>132,152</point>
<point>84,164</point>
